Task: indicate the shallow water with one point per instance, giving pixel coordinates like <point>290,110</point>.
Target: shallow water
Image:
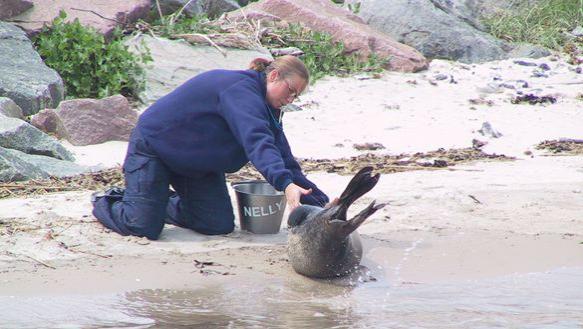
<point>552,299</point>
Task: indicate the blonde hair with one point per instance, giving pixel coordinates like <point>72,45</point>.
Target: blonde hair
<point>286,65</point>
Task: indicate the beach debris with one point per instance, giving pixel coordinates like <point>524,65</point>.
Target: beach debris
<point>368,146</point>
<point>539,74</point>
<point>544,67</point>
<point>478,144</point>
<point>562,146</point>
<point>515,84</point>
<point>391,106</point>
<point>481,101</point>
<point>440,77</point>
<point>201,266</point>
<point>344,166</point>
<point>286,51</point>
<point>475,199</point>
<point>525,63</point>
<point>533,99</point>
<point>488,131</point>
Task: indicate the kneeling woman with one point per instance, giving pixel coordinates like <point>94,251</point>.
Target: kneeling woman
<point>211,125</point>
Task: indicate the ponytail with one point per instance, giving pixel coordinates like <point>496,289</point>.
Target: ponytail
<point>260,64</point>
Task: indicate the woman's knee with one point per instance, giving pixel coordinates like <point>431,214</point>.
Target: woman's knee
<point>145,219</point>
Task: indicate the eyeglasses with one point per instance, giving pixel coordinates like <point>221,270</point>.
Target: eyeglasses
<point>292,93</point>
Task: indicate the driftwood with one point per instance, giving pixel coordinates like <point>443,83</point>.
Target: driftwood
<point>217,40</point>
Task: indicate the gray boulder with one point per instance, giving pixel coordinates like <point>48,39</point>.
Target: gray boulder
<point>89,121</point>
<point>23,76</point>
<point>19,135</point>
<point>431,30</point>
<point>9,8</point>
<point>18,166</point>
<point>13,168</point>
<point>9,109</point>
<point>474,12</point>
<point>176,61</point>
<point>212,8</point>
<point>51,166</point>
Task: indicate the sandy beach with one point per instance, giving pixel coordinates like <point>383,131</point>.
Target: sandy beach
<point>476,221</point>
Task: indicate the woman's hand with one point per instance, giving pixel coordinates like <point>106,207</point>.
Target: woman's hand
<point>293,193</point>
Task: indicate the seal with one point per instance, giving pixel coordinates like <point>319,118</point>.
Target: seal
<point>322,243</point>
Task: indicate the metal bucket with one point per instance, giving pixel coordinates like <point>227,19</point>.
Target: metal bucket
<point>260,206</point>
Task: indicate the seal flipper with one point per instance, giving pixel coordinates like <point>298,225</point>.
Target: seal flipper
<point>299,215</point>
<point>351,225</point>
<point>359,185</point>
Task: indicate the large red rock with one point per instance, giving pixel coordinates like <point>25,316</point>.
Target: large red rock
<point>89,121</point>
<point>9,8</point>
<point>324,16</point>
<point>102,15</point>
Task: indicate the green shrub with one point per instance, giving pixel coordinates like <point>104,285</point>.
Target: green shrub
<point>543,24</point>
<point>90,66</point>
<point>322,55</point>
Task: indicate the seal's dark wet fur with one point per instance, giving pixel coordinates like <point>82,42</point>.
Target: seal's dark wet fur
<point>322,242</point>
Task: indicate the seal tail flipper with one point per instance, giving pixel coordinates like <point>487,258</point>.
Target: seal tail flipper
<point>360,184</point>
<point>352,224</point>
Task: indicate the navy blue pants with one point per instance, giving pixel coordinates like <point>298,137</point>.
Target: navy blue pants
<point>200,203</point>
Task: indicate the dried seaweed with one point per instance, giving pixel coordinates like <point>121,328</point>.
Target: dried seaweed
<point>562,146</point>
<point>434,160</point>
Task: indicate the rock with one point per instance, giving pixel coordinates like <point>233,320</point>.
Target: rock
<point>51,166</point>
<point>343,26</point>
<point>525,63</point>
<point>525,50</point>
<point>19,135</point>
<point>24,77</point>
<point>478,144</point>
<point>48,121</point>
<point>432,31</point>
<point>102,15</point>
<point>95,121</point>
<point>168,7</point>
<point>544,67</point>
<point>578,31</point>
<point>13,168</point>
<point>533,99</point>
<point>488,131</point>
<point>17,166</point>
<point>176,61</point>
<point>9,8</point>
<point>212,8</point>
<point>9,109</point>
<point>369,146</point>
<point>473,12</point>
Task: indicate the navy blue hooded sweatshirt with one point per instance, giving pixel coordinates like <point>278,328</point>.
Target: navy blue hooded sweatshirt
<point>217,122</point>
